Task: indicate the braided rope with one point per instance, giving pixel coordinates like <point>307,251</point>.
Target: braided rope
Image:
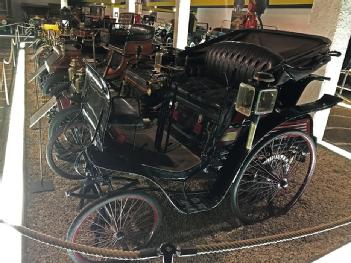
<point>9,61</point>
<point>182,251</point>
<point>269,240</point>
<point>82,249</point>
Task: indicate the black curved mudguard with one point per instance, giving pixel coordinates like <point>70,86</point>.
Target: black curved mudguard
<point>279,117</point>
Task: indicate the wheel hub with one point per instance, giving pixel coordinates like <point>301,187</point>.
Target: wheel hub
<point>119,235</point>
<point>283,183</point>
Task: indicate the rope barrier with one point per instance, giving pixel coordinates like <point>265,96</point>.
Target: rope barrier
<point>84,249</point>
<point>149,253</point>
<point>269,240</point>
<point>9,61</point>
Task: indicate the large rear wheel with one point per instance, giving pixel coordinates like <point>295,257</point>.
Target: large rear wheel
<point>124,221</point>
<point>273,176</point>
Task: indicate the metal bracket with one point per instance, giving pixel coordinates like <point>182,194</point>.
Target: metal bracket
<point>40,186</point>
<point>40,113</point>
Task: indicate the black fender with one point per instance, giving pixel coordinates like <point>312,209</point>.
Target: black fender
<point>267,125</point>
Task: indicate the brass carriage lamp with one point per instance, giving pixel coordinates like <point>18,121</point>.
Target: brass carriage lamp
<point>254,101</point>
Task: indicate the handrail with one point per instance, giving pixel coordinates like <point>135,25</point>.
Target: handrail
<point>15,45</point>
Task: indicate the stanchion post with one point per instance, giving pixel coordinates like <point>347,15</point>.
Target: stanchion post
<point>168,251</point>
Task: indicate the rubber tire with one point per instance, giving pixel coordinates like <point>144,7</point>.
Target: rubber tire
<point>51,162</point>
<point>62,117</point>
<point>85,212</point>
<point>265,141</point>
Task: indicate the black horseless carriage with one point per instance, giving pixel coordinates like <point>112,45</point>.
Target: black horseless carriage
<point>227,124</point>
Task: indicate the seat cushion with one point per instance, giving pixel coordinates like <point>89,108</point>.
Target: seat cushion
<point>203,92</point>
<point>125,112</point>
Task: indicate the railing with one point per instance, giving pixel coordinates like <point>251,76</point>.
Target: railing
<point>20,31</point>
<point>347,73</point>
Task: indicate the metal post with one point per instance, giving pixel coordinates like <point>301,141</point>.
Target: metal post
<point>94,51</point>
<point>13,52</point>
<point>168,251</point>
<point>346,74</point>
<point>180,33</point>
<point>5,82</point>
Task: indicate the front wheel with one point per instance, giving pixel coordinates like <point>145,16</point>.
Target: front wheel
<point>123,221</point>
<point>64,150</point>
<point>273,176</point>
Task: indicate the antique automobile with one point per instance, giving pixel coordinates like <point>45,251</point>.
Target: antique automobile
<point>117,48</point>
<point>199,35</point>
<point>52,65</point>
<point>229,126</point>
<point>164,34</point>
<point>217,32</point>
<point>63,77</point>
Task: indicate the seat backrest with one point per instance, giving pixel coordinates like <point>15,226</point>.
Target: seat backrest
<point>96,106</point>
<point>121,35</point>
<point>141,32</point>
<point>237,62</point>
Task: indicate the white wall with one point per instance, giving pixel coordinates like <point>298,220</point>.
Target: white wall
<point>290,19</point>
<point>164,16</point>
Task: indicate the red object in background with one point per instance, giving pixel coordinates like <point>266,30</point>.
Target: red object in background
<point>63,103</point>
<point>175,115</point>
<point>120,137</point>
<point>197,129</point>
<point>250,20</point>
<point>137,19</point>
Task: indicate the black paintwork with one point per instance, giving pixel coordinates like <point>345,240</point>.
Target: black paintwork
<point>291,79</point>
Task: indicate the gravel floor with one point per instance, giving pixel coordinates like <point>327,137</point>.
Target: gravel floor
<point>338,130</point>
<point>326,199</point>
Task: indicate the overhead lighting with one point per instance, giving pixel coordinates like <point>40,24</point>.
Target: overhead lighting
<point>113,1</point>
<point>155,6</point>
<point>102,4</point>
<point>174,9</point>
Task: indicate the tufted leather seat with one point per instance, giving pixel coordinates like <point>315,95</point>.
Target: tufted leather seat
<point>238,62</point>
<point>226,62</point>
<point>118,37</point>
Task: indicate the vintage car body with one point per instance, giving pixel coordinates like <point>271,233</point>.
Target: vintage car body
<point>225,122</point>
<point>203,94</point>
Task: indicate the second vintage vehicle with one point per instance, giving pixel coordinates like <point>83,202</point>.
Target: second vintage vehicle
<point>227,125</point>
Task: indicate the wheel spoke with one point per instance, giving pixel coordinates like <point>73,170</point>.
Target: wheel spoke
<point>275,176</point>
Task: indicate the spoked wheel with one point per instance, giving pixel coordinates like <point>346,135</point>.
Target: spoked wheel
<point>124,221</point>
<point>64,117</point>
<point>64,150</point>
<point>274,176</point>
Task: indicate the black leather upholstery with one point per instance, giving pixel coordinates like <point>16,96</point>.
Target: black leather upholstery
<point>224,63</point>
<point>207,93</point>
<point>135,33</point>
<point>141,32</point>
<point>237,62</point>
<point>125,112</point>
